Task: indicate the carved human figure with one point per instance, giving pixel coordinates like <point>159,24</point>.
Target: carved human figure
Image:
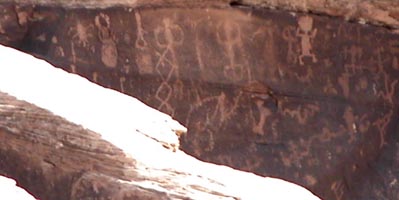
<point>109,54</point>
<point>143,55</point>
<point>229,36</point>
<point>167,36</point>
<point>306,33</point>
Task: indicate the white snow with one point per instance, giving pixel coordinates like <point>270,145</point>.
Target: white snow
<point>117,117</point>
<point>10,191</point>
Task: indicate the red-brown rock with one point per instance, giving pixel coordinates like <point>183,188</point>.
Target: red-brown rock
<point>307,98</point>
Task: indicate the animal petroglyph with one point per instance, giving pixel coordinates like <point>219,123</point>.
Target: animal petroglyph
<point>109,53</point>
<point>306,35</point>
<point>229,35</point>
<point>211,114</point>
<point>167,36</point>
<point>302,113</point>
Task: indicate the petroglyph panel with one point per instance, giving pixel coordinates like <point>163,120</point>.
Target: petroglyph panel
<point>301,97</point>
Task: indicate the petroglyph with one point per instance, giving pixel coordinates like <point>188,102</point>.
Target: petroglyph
<point>353,54</point>
<point>264,113</point>
<point>95,77</point>
<point>211,114</point>
<point>73,68</point>
<point>122,81</point>
<point>81,33</point>
<point>167,36</point>
<point>229,35</point>
<point>302,113</point>
<point>219,108</point>
<point>381,125</point>
<point>338,188</point>
<point>389,89</point>
<point>343,81</point>
<point>306,77</point>
<point>109,53</point>
<point>329,88</point>
<point>140,43</point>
<point>59,51</point>
<point>289,37</point>
<point>144,63</point>
<point>306,35</point>
<point>143,56</point>
<point>350,120</point>
<point>354,123</point>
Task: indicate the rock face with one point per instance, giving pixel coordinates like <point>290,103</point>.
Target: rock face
<point>125,158</point>
<point>307,98</point>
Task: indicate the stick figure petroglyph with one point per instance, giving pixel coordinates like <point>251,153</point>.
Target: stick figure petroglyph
<point>354,54</point>
<point>143,55</point>
<point>109,54</point>
<point>81,33</point>
<point>167,36</point>
<point>381,124</point>
<point>229,35</point>
<point>289,36</point>
<point>306,34</point>
<point>140,41</point>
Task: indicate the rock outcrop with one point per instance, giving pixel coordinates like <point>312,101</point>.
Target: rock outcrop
<point>304,97</point>
<point>60,157</point>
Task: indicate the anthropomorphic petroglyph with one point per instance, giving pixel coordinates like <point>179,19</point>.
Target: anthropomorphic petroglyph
<point>381,124</point>
<point>289,37</point>
<point>80,33</point>
<point>307,34</point>
<point>353,55</point>
<point>140,41</point>
<point>168,36</point>
<point>343,81</point>
<point>229,36</point>
<point>143,56</point>
<point>261,94</point>
<point>109,53</point>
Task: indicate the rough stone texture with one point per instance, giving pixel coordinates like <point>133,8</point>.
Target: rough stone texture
<point>303,97</point>
<point>124,159</point>
<point>379,12</point>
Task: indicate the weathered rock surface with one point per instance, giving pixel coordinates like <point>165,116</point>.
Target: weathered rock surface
<point>307,98</point>
<point>125,159</point>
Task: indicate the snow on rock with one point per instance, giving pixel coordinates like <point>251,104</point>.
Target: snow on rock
<point>132,126</point>
<point>9,190</point>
